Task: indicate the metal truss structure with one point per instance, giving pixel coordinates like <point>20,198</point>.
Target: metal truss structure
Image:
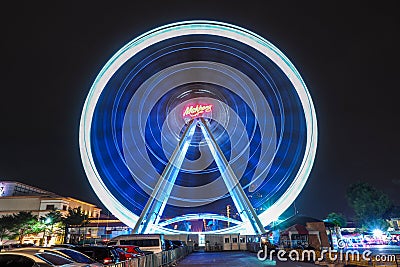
<point>151,214</point>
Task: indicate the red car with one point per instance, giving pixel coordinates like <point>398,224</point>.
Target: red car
<point>132,249</point>
<point>123,255</point>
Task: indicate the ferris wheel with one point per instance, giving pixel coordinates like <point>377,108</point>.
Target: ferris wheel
<point>192,117</point>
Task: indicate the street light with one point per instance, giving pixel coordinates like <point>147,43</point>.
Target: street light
<point>48,221</point>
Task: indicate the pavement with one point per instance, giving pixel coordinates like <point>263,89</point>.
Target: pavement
<point>233,258</point>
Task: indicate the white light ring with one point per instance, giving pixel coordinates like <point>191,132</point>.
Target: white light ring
<point>189,28</point>
<point>154,86</point>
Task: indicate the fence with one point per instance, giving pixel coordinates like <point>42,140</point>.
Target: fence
<point>165,258</point>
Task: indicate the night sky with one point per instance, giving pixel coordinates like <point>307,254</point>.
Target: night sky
<point>347,54</point>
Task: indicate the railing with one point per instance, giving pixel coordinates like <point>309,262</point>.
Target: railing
<point>253,246</point>
<point>165,258</point>
<point>216,247</point>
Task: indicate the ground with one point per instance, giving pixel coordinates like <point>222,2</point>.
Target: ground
<point>232,258</point>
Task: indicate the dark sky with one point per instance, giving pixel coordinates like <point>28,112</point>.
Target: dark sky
<point>347,54</point>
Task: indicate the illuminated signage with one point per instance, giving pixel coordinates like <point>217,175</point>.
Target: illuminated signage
<point>197,110</point>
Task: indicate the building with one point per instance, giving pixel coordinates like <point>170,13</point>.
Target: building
<point>303,232</point>
<point>16,197</point>
<point>98,230</point>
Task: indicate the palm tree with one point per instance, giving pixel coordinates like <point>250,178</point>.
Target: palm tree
<point>75,218</point>
<point>54,217</point>
<point>6,225</point>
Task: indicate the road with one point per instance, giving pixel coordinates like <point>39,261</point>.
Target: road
<point>232,258</point>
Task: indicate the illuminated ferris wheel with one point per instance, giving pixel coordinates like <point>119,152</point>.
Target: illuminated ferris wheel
<point>191,117</point>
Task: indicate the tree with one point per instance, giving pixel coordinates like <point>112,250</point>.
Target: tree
<point>393,212</point>
<point>6,226</point>
<point>51,223</point>
<point>25,223</point>
<point>370,205</point>
<point>338,220</point>
<point>75,218</point>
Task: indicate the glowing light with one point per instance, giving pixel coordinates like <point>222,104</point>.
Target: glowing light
<point>196,111</point>
<point>2,190</point>
<point>377,233</point>
<point>199,28</point>
<point>200,216</point>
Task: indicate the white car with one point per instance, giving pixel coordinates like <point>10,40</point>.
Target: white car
<point>36,257</point>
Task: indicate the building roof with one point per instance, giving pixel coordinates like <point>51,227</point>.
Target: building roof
<point>28,190</point>
<point>297,219</point>
<point>300,229</point>
<point>15,191</point>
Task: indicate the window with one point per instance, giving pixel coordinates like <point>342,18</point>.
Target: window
<point>77,256</point>
<point>234,239</point>
<point>87,251</point>
<point>141,242</point>
<point>227,240</point>
<point>64,207</point>
<point>53,258</point>
<point>49,207</point>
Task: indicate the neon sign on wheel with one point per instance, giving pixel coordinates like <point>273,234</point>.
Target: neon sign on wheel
<point>196,111</point>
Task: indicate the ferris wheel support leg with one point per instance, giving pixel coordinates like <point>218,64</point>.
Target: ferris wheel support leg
<point>155,206</point>
<point>242,203</point>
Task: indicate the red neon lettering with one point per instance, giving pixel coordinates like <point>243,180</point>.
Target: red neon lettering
<point>195,111</point>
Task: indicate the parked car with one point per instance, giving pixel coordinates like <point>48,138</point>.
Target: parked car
<point>103,254</point>
<point>133,249</point>
<point>75,256</point>
<point>146,242</point>
<point>178,243</point>
<point>15,245</point>
<point>169,245</point>
<point>35,258</point>
<point>64,246</point>
<point>124,255</point>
